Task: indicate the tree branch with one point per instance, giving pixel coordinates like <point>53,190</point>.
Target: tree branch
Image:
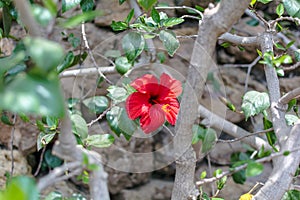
<point>239,40</point>
<point>87,71</point>
<point>285,99</point>
<point>215,22</point>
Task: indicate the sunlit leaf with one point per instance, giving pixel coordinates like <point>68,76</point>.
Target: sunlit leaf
<point>42,15</point>
<point>31,94</point>
<point>280,9</point>
<point>254,169</point>
<point>79,126</point>
<point>68,4</point>
<point>96,104</point>
<point>264,1</point>
<point>46,54</point>
<point>169,41</point>
<point>133,44</point>
<point>118,26</point>
<point>292,7</point>
<point>147,4</point>
<point>254,103</point>
<point>291,195</point>
<point>291,119</point>
<point>100,141</point>
<point>172,21</point>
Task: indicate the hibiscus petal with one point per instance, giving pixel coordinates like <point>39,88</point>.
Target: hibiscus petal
<point>153,120</point>
<point>137,104</point>
<point>170,83</point>
<point>171,110</point>
<point>140,84</point>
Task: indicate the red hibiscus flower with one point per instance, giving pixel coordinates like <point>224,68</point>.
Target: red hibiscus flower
<point>154,102</point>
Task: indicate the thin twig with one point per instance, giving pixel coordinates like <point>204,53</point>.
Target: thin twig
<point>239,168</point>
<point>292,19</point>
<point>86,44</point>
<point>171,133</point>
<point>100,116</point>
<point>292,67</point>
<point>285,99</point>
<point>12,136</point>
<point>240,138</point>
<point>87,71</point>
<point>40,162</point>
<point>251,65</point>
<point>189,16</point>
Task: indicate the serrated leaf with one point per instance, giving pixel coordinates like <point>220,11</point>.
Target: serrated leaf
<point>120,123</point>
<point>169,41</point>
<point>133,44</point>
<point>292,7</point>
<point>280,9</point>
<point>172,21</point>
<point>69,4</point>
<point>96,104</point>
<point>291,119</point>
<point>209,141</point>
<point>46,54</point>
<point>147,4</point>
<point>254,103</point>
<point>100,141</point>
<point>117,94</point>
<point>254,169</point>
<point>32,94</point>
<point>79,126</point>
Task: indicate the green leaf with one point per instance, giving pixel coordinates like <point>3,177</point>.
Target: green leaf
<point>75,41</point>
<point>121,1</point>
<point>120,123</point>
<point>51,6</point>
<point>290,44</point>
<point>280,9</point>
<point>69,4</point>
<point>291,104</point>
<point>21,188</point>
<point>155,16</point>
<point>203,175</point>
<point>172,21</point>
<point>291,119</point>
<point>198,133</point>
<point>5,119</point>
<point>259,52</point>
<point>79,126</point>
<point>254,103</point>
<point>161,57</point>
<point>100,141</point>
<point>118,26</point>
<point>239,177</point>
<point>54,195</point>
<point>52,122</point>
<point>32,94</point>
<point>297,55</point>
<point>264,1</point>
<point>147,4</point>
<point>129,16</point>
<point>42,15</point>
<point>271,136</point>
<point>292,7</point>
<point>279,46</point>
<point>122,65</point>
<point>262,153</point>
<point>11,61</point>
<point>209,141</point>
<point>87,5</point>
<point>6,20</point>
<point>169,41</point>
<point>96,104</point>
<point>76,20</point>
<point>44,139</point>
<point>253,22</point>
<point>254,169</point>
<point>51,160</point>
<point>24,117</point>
<point>67,62</point>
<point>133,44</point>
<point>252,2</point>
<point>117,94</point>
<point>46,54</point>
<point>291,195</point>
<point>279,71</point>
